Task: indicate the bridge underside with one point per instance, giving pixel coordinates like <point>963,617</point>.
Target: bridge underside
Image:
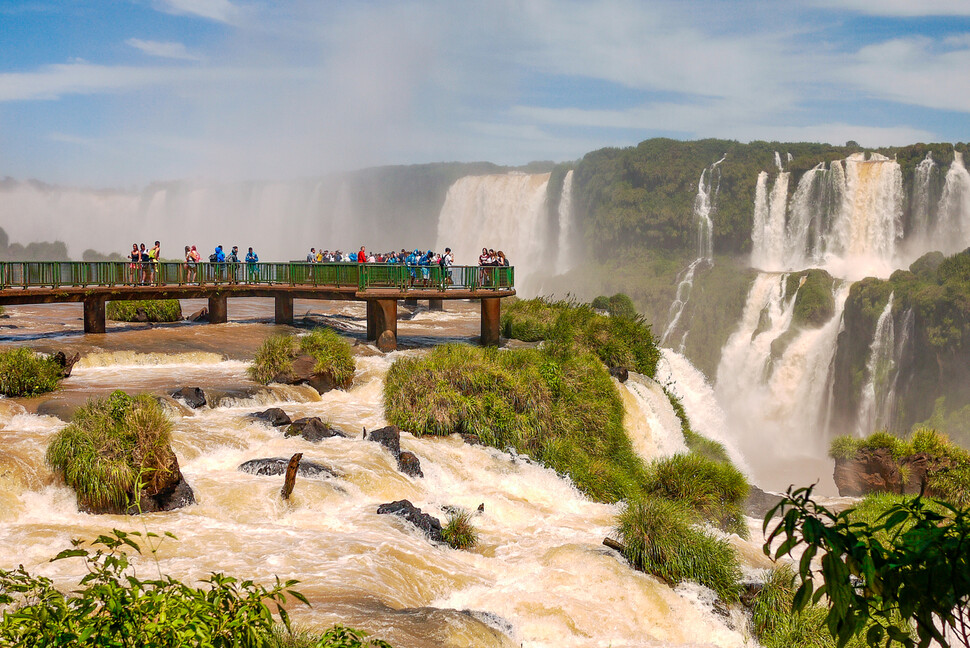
<point>381,303</point>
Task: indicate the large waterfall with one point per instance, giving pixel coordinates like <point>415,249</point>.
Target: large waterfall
<point>876,395</point>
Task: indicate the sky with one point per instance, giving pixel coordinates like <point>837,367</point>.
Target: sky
<point>121,93</point>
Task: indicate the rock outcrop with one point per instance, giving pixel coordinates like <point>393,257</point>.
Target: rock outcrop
<point>302,372</point>
<point>273,466</point>
<point>66,362</point>
<point>876,471</point>
<point>274,416</point>
<point>164,490</point>
<point>405,509</point>
<point>312,429</point>
<point>194,397</point>
<point>390,437</point>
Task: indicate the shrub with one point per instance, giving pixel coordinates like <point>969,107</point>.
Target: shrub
<point>560,409</point>
<point>332,354</point>
<point>111,606</point>
<point>843,447</point>
<point>156,310</point>
<point>25,373</point>
<point>714,489</point>
<point>459,531</point>
<point>113,447</point>
<point>659,538</point>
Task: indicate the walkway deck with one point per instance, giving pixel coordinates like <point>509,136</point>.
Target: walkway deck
<point>379,285</point>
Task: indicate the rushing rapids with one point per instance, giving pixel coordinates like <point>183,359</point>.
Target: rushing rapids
<point>540,576</point>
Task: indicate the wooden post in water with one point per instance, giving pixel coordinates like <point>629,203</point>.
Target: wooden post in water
<point>218,313</point>
<point>290,481</point>
<point>94,320</point>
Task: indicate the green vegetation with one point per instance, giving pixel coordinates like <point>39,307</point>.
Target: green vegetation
<point>617,341</point>
<point>25,373</point>
<point>331,352</point>
<point>561,409</point>
<point>459,531</point>
<point>114,447</point>
<point>814,301</point>
<point>111,607</point>
<point>660,537</point>
<point>713,489</point>
<point>777,625</point>
<point>619,305</point>
<point>156,310</point>
<point>948,465</point>
<point>903,578</point>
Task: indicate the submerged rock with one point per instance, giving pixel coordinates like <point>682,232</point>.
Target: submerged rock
<point>409,464</point>
<point>194,397</point>
<point>405,509</point>
<point>277,466</point>
<point>389,437</point>
<point>274,416</point>
<point>165,490</point>
<point>312,429</point>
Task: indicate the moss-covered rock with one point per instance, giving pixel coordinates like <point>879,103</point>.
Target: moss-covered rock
<point>814,299</point>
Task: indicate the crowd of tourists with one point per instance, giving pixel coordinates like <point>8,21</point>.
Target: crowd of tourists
<point>144,263</point>
<point>407,257</point>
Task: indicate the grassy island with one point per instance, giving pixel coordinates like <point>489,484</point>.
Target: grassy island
<point>331,355</point>
<point>25,373</point>
<point>155,310</point>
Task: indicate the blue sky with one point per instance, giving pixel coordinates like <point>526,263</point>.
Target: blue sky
<point>120,93</point>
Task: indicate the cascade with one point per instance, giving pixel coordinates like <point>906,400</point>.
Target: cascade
<point>922,203</point>
<point>879,367</point>
<point>769,255</point>
<point>503,212</point>
<point>704,204</point>
<point>954,209</point>
<point>772,382</point>
<point>565,258</point>
<point>778,161</point>
<point>759,220</point>
<point>651,424</point>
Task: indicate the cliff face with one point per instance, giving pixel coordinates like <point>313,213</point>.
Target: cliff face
<point>931,346</point>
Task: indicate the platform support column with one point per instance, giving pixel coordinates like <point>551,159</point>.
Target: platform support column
<point>284,309</point>
<point>436,304</point>
<point>491,319</point>
<point>411,303</point>
<point>218,314</point>
<point>94,320</point>
<point>382,323</point>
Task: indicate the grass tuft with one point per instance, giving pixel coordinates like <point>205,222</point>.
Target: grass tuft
<point>332,353</point>
<point>459,531</point>
<point>157,310</point>
<point>25,373</point>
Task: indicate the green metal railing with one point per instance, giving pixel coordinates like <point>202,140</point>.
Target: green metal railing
<point>362,276</point>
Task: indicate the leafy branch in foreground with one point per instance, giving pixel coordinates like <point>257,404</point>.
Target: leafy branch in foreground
<point>114,607</point>
<point>908,570</point>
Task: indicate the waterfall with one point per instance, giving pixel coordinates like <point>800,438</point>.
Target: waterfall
<point>769,255</point>
<point>566,253</point>
<point>704,204</point>
<point>878,369</point>
<point>922,203</point>
<point>954,209</point>
<point>778,161</point>
<point>503,212</point>
<point>773,382</point>
<point>759,221</point>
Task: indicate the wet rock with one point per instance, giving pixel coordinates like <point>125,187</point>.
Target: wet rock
<point>66,363</point>
<point>620,373</point>
<point>164,490</point>
<point>302,372</point>
<point>201,315</point>
<point>365,350</point>
<point>312,429</point>
<point>277,466</point>
<point>759,502</point>
<point>274,416</point>
<point>194,397</point>
<point>389,437</point>
<point>409,464</point>
<point>405,509</point>
<point>471,439</point>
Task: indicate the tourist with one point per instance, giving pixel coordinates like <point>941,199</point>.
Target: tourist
<point>447,260</point>
<point>312,257</point>
<point>145,261</point>
<point>189,265</point>
<point>252,272</point>
<point>154,256</point>
<point>135,257</point>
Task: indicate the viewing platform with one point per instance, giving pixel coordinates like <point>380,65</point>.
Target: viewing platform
<point>380,286</point>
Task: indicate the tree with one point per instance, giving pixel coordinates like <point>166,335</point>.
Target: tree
<point>908,571</point>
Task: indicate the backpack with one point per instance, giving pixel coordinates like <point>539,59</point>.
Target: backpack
<point>213,258</point>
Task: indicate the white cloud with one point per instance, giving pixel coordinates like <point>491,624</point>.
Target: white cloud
<point>170,50</point>
<point>217,10</point>
<point>906,8</point>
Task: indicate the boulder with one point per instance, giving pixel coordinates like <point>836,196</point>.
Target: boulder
<point>274,416</point>
<point>302,372</point>
<point>620,373</point>
<point>277,466</point>
<point>409,464</point>
<point>201,315</point>
<point>759,502</point>
<point>312,429</point>
<point>870,471</point>
<point>387,342</point>
<point>389,437</point>
<point>164,490</point>
<point>405,509</point>
<point>194,397</point>
<point>66,363</point>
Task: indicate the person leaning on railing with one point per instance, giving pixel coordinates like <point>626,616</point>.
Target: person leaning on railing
<point>252,271</point>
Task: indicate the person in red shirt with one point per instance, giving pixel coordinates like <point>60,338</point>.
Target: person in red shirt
<point>362,255</point>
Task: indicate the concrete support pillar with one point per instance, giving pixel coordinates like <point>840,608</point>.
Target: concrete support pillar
<point>284,309</point>
<point>382,323</point>
<point>491,319</point>
<point>411,303</point>
<point>94,321</point>
<point>436,304</point>
<point>218,313</point>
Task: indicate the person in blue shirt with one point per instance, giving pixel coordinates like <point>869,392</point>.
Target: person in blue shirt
<point>251,260</point>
